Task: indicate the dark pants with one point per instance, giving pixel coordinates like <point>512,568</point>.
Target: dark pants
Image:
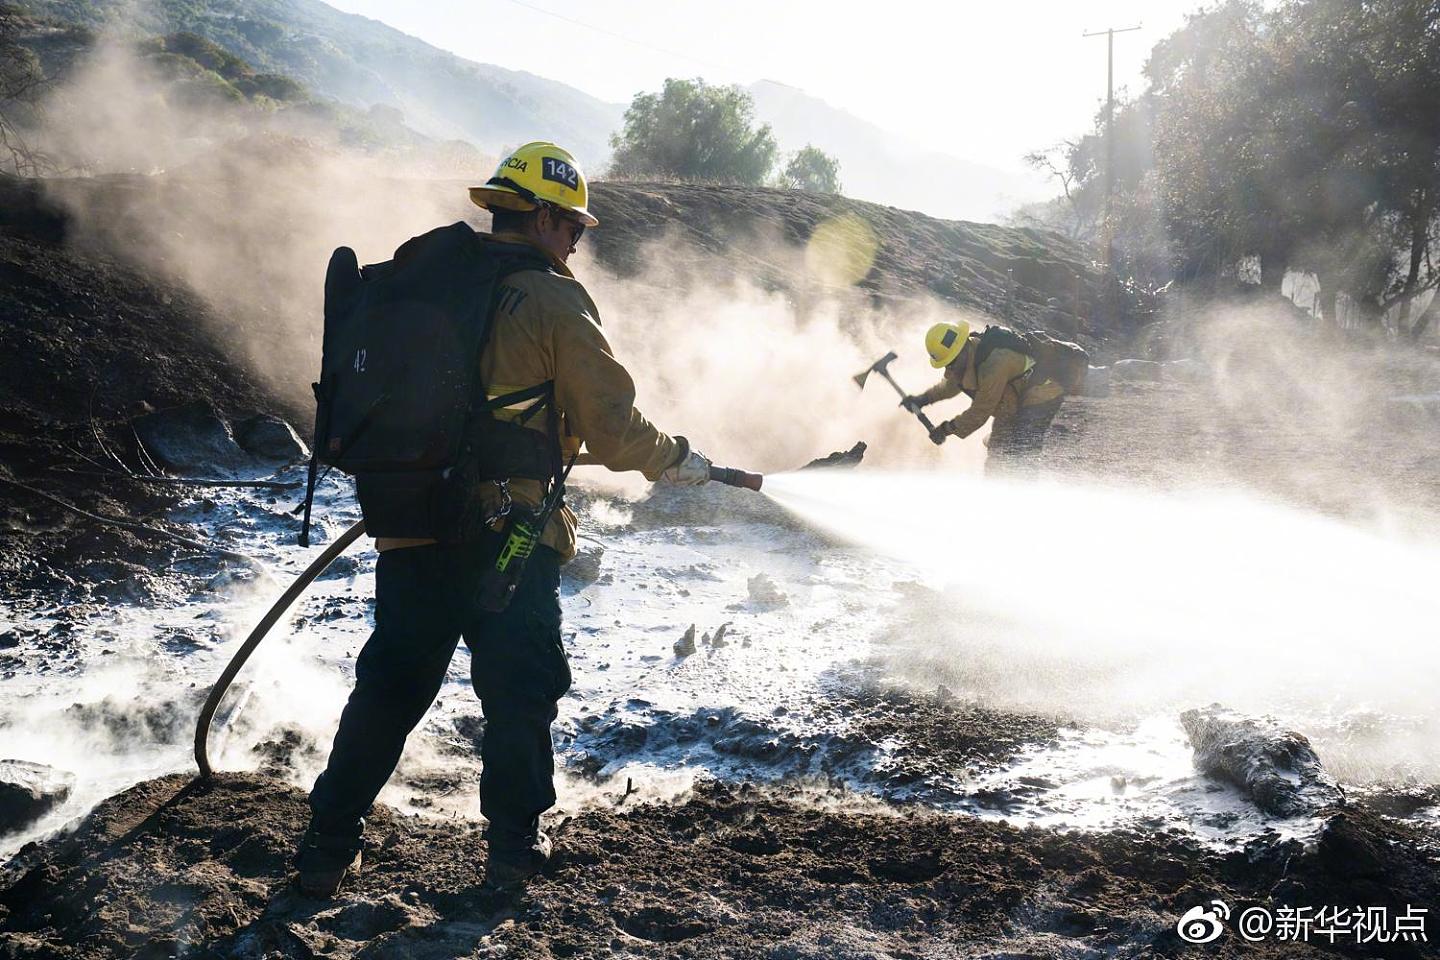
<point>424,604</point>
<point>1018,440</point>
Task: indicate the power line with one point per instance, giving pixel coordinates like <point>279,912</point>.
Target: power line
<point>619,36</point>
<point>1109,35</point>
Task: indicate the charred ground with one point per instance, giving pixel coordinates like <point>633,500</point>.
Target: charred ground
<point>173,867</point>
<point>88,343</point>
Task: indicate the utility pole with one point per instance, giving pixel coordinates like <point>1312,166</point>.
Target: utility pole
<point>1109,35</point>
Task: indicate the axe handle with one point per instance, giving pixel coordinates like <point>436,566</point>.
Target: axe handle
<point>919,414</point>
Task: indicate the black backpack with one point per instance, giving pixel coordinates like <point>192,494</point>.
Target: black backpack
<point>1058,360</point>
<point>1002,338</point>
<point>400,404</point>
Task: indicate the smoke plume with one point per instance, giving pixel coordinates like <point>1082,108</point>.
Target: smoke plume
<point>246,209</point>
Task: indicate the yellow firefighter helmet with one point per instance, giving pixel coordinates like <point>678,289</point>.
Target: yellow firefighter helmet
<point>944,341</point>
<point>538,172</point>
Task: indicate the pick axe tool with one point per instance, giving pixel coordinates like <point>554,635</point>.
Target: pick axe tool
<point>881,367</point>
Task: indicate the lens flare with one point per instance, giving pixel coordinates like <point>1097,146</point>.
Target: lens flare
<point>841,251</point>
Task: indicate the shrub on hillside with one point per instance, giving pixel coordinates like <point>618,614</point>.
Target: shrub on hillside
<point>694,131</point>
<point>812,170</point>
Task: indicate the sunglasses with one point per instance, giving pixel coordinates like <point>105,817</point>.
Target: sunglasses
<point>576,228</point>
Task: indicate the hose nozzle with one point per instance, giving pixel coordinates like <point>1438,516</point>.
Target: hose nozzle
<point>732,477</point>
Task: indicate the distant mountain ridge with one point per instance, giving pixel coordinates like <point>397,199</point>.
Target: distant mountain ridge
<point>878,166</point>
<point>361,62</point>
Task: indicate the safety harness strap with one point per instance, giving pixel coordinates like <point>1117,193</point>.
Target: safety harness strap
<point>525,192</point>
<point>542,390</point>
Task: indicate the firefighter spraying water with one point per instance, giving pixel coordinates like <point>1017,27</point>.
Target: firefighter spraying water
<point>459,382</point>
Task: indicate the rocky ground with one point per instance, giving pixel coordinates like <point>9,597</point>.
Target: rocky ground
<point>1356,452</point>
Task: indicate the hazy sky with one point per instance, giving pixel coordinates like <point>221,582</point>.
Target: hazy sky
<point>987,81</point>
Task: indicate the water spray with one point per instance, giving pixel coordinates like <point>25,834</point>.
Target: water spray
<point>1102,600</point>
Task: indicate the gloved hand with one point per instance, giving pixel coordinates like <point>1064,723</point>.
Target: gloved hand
<point>938,435</point>
<point>912,403</point>
<point>692,470</point>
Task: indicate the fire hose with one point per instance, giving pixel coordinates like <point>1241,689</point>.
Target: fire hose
<point>217,692</point>
<point>726,475</point>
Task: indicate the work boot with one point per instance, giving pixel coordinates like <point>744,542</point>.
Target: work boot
<point>515,855</point>
<point>323,861</point>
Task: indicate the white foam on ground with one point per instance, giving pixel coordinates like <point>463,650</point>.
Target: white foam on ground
<point>782,667</point>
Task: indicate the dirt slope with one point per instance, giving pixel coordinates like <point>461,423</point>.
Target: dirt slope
<point>87,342</point>
<point>1011,275</point>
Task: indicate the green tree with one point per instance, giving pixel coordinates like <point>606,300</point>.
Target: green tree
<point>1215,147</point>
<point>694,131</point>
<point>1370,73</point>
<point>1142,248</point>
<point>1306,135</point>
<point>1301,133</point>
<point>812,170</point>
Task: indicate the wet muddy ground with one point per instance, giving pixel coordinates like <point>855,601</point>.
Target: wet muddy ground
<point>797,789</point>
<point>171,868</point>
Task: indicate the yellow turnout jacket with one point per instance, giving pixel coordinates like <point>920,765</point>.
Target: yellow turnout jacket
<point>547,328</point>
<point>998,389</point>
